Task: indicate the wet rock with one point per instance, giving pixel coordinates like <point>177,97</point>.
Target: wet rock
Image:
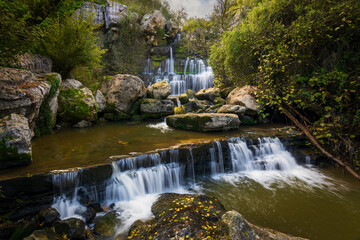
<point>15,141</point>
<point>114,12</point>
<point>190,93</point>
<point>238,227</point>
<point>21,93</point>
<point>209,94</point>
<point>180,216</point>
<point>204,122</point>
<point>89,214</point>
<point>151,23</point>
<point>92,8</point>
<point>73,228</point>
<point>100,101</point>
<point>159,90</point>
<point>47,216</point>
<point>34,63</point>
<point>235,109</point>
<point>183,98</point>
<point>175,100</point>
<point>71,83</point>
<point>76,104</point>
<point>244,96</point>
<point>154,108</point>
<point>269,234</point>
<point>82,124</point>
<point>44,234</point>
<point>122,91</point>
<point>105,225</point>
<point>195,105</point>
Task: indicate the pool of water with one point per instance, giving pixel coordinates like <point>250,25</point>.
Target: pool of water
<point>71,148</point>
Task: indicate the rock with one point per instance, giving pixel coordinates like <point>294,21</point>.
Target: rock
<point>21,93</point>
<point>159,90</point>
<point>175,100</point>
<point>123,91</point>
<point>190,93</point>
<point>100,101</point>
<point>181,216</point>
<point>195,105</point>
<point>183,98</point>
<point>92,8</point>
<point>34,63</point>
<point>88,215</point>
<point>151,23</point>
<point>44,234</point>
<point>213,109</point>
<point>171,28</point>
<point>47,216</point>
<point>161,51</point>
<point>154,108</point>
<point>76,105</point>
<point>238,227</point>
<point>269,234</point>
<point>209,94</point>
<point>224,92</point>
<point>23,229</point>
<point>235,109</point>
<point>15,141</point>
<point>73,228</point>
<point>114,12</point>
<point>243,96</point>
<point>204,122</point>
<point>71,83</point>
<point>82,124</point>
<point>46,119</point>
<point>220,101</point>
<point>105,225</point>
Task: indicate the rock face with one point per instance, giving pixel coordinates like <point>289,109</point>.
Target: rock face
<point>76,104</point>
<point>204,122</point>
<point>35,63</point>
<point>123,91</point>
<point>100,101</point>
<point>151,23</point>
<point>209,94</point>
<point>15,145</point>
<point>154,108</point>
<point>22,93</point>
<point>243,96</point>
<point>159,90</point>
<point>114,12</point>
<point>92,8</point>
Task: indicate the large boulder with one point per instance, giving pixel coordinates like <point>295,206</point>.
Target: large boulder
<point>21,93</point>
<point>73,228</point>
<point>114,12</point>
<point>76,104</point>
<point>46,119</point>
<point>47,216</point>
<point>122,91</point>
<point>235,109</point>
<point>197,106</point>
<point>92,8</point>
<point>154,108</point>
<point>238,227</point>
<point>100,101</point>
<point>106,225</point>
<point>243,96</point>
<point>159,90</point>
<point>15,141</point>
<point>204,122</point>
<point>34,63</point>
<point>151,23</point>
<point>209,94</point>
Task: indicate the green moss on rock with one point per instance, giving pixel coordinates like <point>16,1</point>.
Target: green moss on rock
<point>10,156</point>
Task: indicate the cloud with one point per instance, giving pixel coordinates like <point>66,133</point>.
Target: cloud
<point>195,8</point>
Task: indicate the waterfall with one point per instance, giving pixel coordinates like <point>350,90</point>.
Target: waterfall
<point>216,160</point>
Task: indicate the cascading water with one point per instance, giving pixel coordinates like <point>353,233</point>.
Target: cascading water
<point>198,77</point>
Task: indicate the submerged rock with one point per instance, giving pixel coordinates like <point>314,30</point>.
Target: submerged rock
<point>159,90</point>
<point>209,94</point>
<point>15,141</point>
<point>204,122</point>
<point>154,108</point>
<point>122,91</point>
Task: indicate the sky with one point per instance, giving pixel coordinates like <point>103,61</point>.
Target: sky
<point>194,8</point>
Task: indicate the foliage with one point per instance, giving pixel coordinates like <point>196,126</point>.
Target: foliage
<point>128,49</point>
<point>303,55</point>
<point>179,110</point>
<point>72,42</point>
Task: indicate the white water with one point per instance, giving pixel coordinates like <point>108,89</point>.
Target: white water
<point>198,77</point>
<point>136,182</point>
<point>162,126</point>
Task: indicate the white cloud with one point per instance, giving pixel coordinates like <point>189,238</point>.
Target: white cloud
<point>194,8</point>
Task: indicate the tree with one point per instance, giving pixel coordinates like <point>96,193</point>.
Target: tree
<point>72,41</point>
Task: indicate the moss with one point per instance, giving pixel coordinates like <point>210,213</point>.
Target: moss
<point>179,110</point>
<point>191,122</point>
<point>46,121</point>
<point>74,108</point>
<point>10,157</point>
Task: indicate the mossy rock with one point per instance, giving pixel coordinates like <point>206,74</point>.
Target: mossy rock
<point>105,225</point>
<point>76,105</point>
<point>183,98</point>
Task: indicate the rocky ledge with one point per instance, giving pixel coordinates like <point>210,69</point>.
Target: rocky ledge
<point>204,122</point>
